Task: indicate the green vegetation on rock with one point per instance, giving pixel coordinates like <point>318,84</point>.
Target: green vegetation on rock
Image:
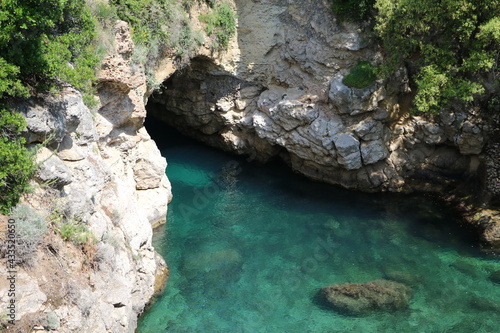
<point>77,233</point>
<point>16,162</point>
<point>360,76</point>
<point>71,228</point>
<point>158,26</point>
<point>221,23</point>
<point>352,10</point>
<point>44,43</point>
<point>454,45</point>
<point>29,232</point>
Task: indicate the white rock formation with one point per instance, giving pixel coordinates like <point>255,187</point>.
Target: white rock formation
<point>104,170</point>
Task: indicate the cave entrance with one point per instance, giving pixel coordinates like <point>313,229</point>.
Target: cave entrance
<point>207,103</point>
<point>194,99</point>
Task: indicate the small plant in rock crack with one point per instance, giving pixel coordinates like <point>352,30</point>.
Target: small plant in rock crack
<point>71,228</point>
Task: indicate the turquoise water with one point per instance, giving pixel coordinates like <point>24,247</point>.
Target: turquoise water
<point>249,246</point>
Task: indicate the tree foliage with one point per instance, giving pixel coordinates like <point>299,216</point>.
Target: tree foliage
<point>353,10</point>
<point>360,76</point>
<point>16,162</point>
<point>454,44</point>
<point>44,42</point>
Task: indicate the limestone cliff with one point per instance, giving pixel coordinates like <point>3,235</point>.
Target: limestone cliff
<point>279,92</point>
<point>102,169</point>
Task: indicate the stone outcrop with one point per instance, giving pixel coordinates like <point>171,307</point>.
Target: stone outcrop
<point>279,92</point>
<point>364,298</point>
<point>102,169</point>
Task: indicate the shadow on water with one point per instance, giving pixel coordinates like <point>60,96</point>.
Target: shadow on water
<point>435,222</point>
<point>246,260</point>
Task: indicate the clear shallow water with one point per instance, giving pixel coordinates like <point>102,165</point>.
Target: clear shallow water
<point>248,248</point>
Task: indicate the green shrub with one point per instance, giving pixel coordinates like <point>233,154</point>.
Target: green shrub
<point>149,19</point>
<point>45,42</point>
<point>16,162</point>
<point>30,228</point>
<point>10,85</point>
<point>221,23</point>
<point>78,233</point>
<point>105,12</point>
<point>360,76</point>
<point>29,224</point>
<point>353,10</point>
<point>453,46</point>
<point>157,26</point>
<point>106,17</point>
<point>186,41</point>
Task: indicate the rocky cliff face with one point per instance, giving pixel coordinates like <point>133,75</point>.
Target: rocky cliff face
<point>279,92</point>
<point>104,170</point>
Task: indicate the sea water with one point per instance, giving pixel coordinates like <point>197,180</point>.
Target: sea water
<point>249,246</point>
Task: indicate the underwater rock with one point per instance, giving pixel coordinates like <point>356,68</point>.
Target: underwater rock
<point>495,277</point>
<point>213,260</point>
<point>363,298</point>
<point>465,267</point>
<point>484,304</point>
<point>404,277</point>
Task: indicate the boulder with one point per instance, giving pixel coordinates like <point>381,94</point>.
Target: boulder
<point>44,123</point>
<point>369,129</point>
<point>363,298</point>
<point>150,167</point>
<point>484,304</point>
<point>466,268</point>
<point>349,155</point>
<point>373,151</point>
<point>52,170</point>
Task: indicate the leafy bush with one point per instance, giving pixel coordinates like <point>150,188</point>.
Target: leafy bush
<point>78,233</point>
<point>30,228</point>
<point>221,22</point>
<point>353,10</point>
<point>29,224</point>
<point>43,43</point>
<point>157,26</point>
<point>452,44</point>
<point>71,228</point>
<point>16,162</point>
<point>360,76</point>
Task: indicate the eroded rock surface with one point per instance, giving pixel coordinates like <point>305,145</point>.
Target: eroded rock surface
<point>101,169</point>
<point>279,91</point>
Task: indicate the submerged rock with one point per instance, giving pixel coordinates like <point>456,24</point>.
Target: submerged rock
<point>495,277</point>
<point>466,268</point>
<point>484,304</point>
<point>363,298</point>
<point>404,277</point>
<point>210,261</point>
